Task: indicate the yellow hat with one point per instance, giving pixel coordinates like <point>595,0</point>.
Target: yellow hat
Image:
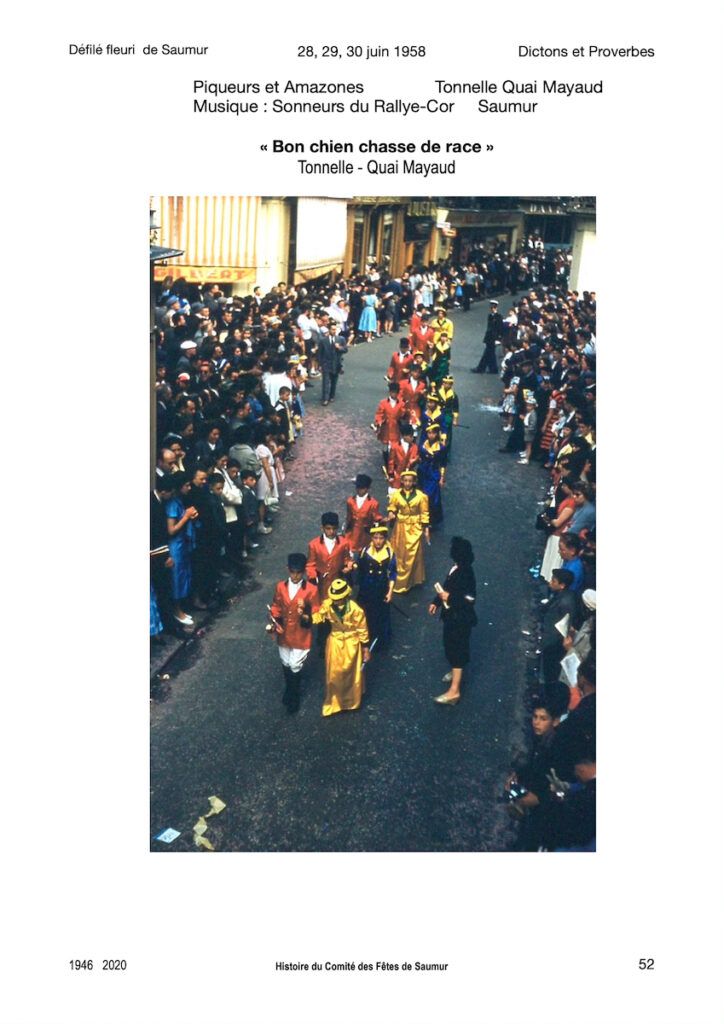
<point>408,472</point>
<point>379,528</point>
<point>340,590</point>
<point>448,380</point>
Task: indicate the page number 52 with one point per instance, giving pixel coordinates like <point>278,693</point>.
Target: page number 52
<point>646,964</point>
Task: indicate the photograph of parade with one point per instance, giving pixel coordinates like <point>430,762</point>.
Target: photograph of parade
<point>373,524</point>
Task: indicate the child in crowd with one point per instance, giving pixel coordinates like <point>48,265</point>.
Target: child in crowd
<point>530,427</point>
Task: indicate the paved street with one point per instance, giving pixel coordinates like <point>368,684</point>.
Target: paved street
<point>402,773</point>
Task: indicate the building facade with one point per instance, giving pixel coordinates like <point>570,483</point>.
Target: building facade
<point>240,242</point>
<point>236,242</point>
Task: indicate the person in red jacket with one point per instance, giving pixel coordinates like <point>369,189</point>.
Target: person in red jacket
<point>363,511</point>
<point>403,455</point>
<point>390,412</point>
<point>400,363</point>
<point>329,555</point>
<point>416,318</point>
<point>295,600</point>
<point>329,558</point>
<point>412,394</point>
<point>422,336</point>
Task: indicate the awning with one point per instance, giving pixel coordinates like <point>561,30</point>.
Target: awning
<point>311,273</point>
<point>158,252</point>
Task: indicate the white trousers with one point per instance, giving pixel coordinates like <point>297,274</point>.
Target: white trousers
<point>293,657</point>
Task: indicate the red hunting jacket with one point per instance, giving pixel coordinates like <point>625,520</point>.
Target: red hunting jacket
<point>387,420</point>
<point>287,613</point>
<point>398,364</point>
<point>325,567</point>
<point>420,338</point>
<point>359,520</point>
<point>413,398</point>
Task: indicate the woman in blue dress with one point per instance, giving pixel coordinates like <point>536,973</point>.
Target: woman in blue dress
<point>376,575</point>
<point>368,319</point>
<point>156,623</point>
<point>180,522</point>
<point>431,471</point>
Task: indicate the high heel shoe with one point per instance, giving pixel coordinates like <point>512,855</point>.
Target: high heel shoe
<point>442,699</point>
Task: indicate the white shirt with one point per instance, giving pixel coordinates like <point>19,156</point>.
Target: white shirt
<point>273,382</point>
<point>329,543</point>
<point>361,499</point>
<point>306,325</point>
<point>293,589</point>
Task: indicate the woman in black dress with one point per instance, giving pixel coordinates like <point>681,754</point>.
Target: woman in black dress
<point>456,598</point>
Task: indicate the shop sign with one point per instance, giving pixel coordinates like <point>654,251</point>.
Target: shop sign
<point>205,275</point>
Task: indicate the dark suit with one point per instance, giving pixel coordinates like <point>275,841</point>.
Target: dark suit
<point>493,333</point>
<point>329,356</point>
<point>575,735</point>
<point>356,304</point>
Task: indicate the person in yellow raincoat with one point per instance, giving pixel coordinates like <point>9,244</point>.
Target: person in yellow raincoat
<point>442,325</point>
<point>347,649</point>
<point>409,509</point>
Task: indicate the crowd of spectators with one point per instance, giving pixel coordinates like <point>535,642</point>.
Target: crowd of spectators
<point>548,413</point>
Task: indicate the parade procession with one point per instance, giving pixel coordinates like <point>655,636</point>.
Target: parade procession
<point>339,535</point>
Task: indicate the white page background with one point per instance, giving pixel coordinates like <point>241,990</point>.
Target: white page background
<point>553,939</point>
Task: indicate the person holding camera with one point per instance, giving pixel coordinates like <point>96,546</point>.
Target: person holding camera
<point>570,825</point>
<point>527,786</point>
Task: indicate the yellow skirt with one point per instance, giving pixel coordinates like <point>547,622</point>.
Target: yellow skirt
<point>407,545</point>
<point>345,677</point>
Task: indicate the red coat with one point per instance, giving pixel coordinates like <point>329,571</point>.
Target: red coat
<point>398,364</point>
<point>325,567</point>
<point>419,339</point>
<point>359,521</point>
<point>289,616</point>
<point>387,420</point>
<point>413,399</point>
<point>399,460</point>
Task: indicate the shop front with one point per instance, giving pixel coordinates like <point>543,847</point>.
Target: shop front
<point>237,242</point>
<point>375,235</point>
<point>492,229</point>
